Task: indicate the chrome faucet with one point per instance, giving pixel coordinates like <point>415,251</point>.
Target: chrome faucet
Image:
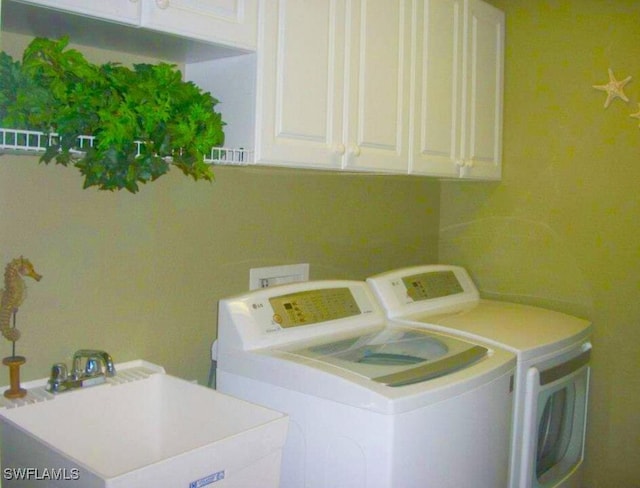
<point>97,363</point>
<point>98,366</point>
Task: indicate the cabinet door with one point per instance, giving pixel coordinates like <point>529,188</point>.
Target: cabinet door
<point>484,67</point>
<point>378,70</point>
<point>437,107</point>
<point>230,22</point>
<point>300,83</point>
<point>123,11</point>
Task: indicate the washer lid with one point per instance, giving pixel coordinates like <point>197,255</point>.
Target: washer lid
<point>396,356</point>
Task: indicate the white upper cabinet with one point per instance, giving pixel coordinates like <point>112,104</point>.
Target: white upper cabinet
<point>397,86</point>
<point>484,70</point>
<point>437,110</point>
<point>457,118</point>
<point>300,83</point>
<point>124,11</point>
<point>229,22</point>
<point>379,82</point>
<point>333,84</point>
<point>232,22</point>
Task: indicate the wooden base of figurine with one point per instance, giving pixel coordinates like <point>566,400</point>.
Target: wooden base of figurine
<point>14,363</point>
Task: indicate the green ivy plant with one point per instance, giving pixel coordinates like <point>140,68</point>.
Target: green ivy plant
<point>144,119</point>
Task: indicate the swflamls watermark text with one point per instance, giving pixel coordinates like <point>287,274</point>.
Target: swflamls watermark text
<point>41,474</point>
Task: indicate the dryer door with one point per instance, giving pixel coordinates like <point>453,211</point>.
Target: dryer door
<point>555,419</point>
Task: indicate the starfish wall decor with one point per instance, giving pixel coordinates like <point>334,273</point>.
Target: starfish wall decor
<point>615,89</point>
<point>637,114</point>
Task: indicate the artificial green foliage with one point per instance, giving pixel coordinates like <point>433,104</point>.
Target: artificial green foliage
<point>144,119</point>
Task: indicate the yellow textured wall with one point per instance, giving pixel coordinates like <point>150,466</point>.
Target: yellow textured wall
<point>563,227</point>
<point>140,275</point>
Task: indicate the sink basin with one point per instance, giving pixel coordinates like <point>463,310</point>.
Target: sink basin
<point>159,431</point>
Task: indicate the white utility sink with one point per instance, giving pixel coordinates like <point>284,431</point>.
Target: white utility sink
<point>159,431</point>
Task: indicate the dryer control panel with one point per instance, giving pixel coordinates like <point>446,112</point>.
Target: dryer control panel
<point>434,284</point>
<point>423,289</point>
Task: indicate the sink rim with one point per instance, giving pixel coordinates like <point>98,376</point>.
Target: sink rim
<point>165,439</point>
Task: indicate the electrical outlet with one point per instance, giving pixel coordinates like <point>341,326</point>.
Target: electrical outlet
<point>277,275</point>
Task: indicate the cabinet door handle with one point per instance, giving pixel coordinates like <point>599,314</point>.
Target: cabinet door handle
<point>354,150</point>
<point>339,149</point>
<point>162,4</point>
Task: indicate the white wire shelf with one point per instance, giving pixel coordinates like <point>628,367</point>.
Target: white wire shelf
<point>19,141</point>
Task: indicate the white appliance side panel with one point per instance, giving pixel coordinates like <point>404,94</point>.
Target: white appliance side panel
<point>467,441</point>
<point>448,444</point>
<point>318,430</point>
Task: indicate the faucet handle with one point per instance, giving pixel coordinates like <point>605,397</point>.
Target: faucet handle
<point>96,362</point>
<point>92,367</point>
<point>58,376</point>
<point>109,368</point>
<point>59,371</point>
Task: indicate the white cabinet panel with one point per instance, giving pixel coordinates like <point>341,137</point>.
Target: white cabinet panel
<point>482,148</point>
<point>333,84</point>
<point>124,11</point>
<point>231,22</point>
<point>437,117</point>
<point>300,84</point>
<point>458,107</point>
<point>379,80</point>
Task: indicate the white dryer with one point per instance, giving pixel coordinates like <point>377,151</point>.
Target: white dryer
<point>371,405</point>
<point>553,351</point>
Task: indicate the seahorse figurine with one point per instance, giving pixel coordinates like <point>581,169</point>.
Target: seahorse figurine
<point>14,293</point>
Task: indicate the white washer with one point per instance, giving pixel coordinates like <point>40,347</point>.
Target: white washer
<point>553,352</point>
<point>371,405</point>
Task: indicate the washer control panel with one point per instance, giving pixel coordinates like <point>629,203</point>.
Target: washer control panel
<point>313,306</point>
<point>298,311</point>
